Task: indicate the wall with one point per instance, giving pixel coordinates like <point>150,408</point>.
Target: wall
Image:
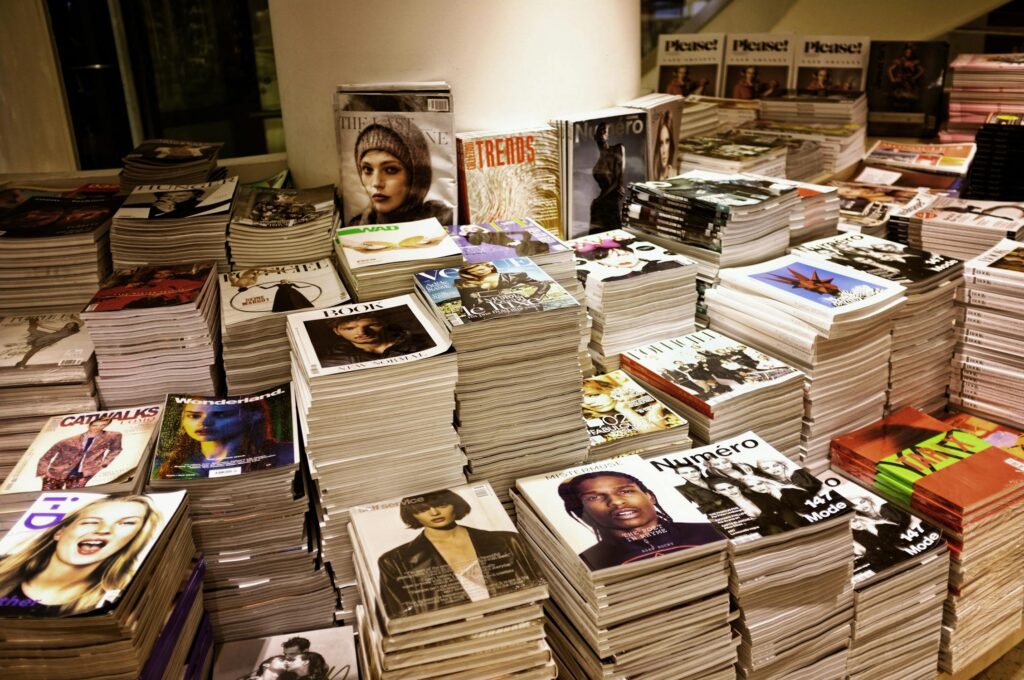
<point>510,62</point>
<point>35,131</point>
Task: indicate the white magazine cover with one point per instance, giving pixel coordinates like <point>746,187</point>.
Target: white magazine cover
<point>85,449</point>
<point>375,244</point>
<point>106,533</point>
<point>757,65</point>
<point>1003,264</point>
<point>618,254</point>
<point>830,64</point>
<point>179,201</point>
<point>617,511</point>
<point>690,63</point>
<point>748,489</point>
<point>884,535</point>
<point>887,259</point>
<point>993,217</point>
<point>325,654</point>
<point>43,340</point>
<point>820,288</point>
<point>396,152</point>
<point>704,369</point>
<point>410,576</point>
<point>252,293</point>
<point>366,335</point>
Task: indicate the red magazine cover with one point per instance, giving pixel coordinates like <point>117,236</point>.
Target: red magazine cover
<point>149,287</point>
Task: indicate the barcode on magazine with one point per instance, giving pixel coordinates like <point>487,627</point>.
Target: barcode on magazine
<point>225,472</point>
<point>481,491</point>
<point>437,104</point>
<point>73,357</point>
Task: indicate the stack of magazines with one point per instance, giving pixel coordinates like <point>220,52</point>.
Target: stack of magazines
<point>723,387</point>
<point>637,292</point>
<point>322,654</point>
<point>254,304</point>
<point>700,118</point>
<point>987,366</point>
<point>169,161</point>
<point>805,159</point>
<point>281,226</point>
<point>46,366</point>
<point>831,322</point>
<point>900,575</point>
<point>834,108</point>
<point>922,339</point>
<point>841,145</point>
<point>173,224</point>
<point>733,151</point>
<point>449,589</point>
<point>106,451</point>
<point>100,619</point>
<point>186,641</point>
<point>378,261</point>
<point>622,417</point>
<point>974,492</point>
<point>795,610</point>
<point>366,376</point>
<point>524,237</point>
<point>516,333</point>
<point>982,84</point>
<point>155,331</point>
<point>960,228</point>
<point>818,213</point>
<point>716,219</point>
<point>993,171</point>
<point>238,458</point>
<point>867,208</point>
<point>603,533</point>
<point>54,252</point>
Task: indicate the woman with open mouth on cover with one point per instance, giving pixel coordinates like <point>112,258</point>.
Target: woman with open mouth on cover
<point>80,563</point>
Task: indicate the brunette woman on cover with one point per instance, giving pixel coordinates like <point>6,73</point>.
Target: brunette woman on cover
<point>665,148</point>
<point>395,169</point>
<point>447,563</point>
<point>80,563</point>
<point>223,435</point>
<point>481,282</point>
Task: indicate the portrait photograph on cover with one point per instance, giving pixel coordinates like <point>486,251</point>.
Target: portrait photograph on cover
<point>326,654</point>
<point>367,336</point>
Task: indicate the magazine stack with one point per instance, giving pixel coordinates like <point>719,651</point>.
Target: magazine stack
<point>238,458</point>
<point>795,612</point>
<point>637,293</point>
<point>46,366</point>
<point>982,84</point>
<point>664,113</point>
<point>281,226</point>
<point>805,160</point>
<point>900,579</point>
<point>829,321</point>
<point>987,366</point>
<point>875,209</point>
<point>54,252</point>
<point>155,331</point>
<point>102,619</point>
<point>602,151</point>
<point>516,333</point>
<point>700,118</point>
<point>186,640</point>
<point>922,338</point>
<point>603,533</point>
<point>524,237</point>
<point>818,213</point>
<point>449,589</point>
<point>992,175</point>
<point>971,490</point>
<point>961,228</point>
<point>104,451</point>
<point>1004,437</point>
<point>622,418</point>
<point>722,387</point>
<point>716,219</point>
<point>939,166</point>
<point>734,151</point>
<point>366,375</point>
<point>834,108</point>
<point>511,172</point>
<point>841,145</point>
<point>378,261</point>
<point>161,224</point>
<point>327,653</point>
<point>169,161</point>
<point>254,304</point>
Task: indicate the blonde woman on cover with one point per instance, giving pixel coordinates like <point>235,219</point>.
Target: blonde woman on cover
<point>80,563</point>
<point>605,395</point>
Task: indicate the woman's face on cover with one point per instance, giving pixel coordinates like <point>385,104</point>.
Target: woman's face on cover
<point>597,399</point>
<point>213,422</point>
<point>726,489</point>
<point>690,474</point>
<point>758,485</point>
<point>101,531</point>
<point>864,505</point>
<point>385,180</point>
<point>664,144</point>
<point>774,468</point>
<point>620,257</point>
<point>720,464</point>
<point>617,503</point>
<point>436,518</point>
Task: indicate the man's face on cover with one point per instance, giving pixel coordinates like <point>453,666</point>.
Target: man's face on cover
<point>617,503</point>
<point>359,331</point>
<point>750,74</point>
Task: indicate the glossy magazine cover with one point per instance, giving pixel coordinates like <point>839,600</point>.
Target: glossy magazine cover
<point>504,238</point>
<point>148,287</point>
<point>43,340</point>
<point>51,216</point>
<point>179,201</point>
<point>252,293</point>
<point>616,407</point>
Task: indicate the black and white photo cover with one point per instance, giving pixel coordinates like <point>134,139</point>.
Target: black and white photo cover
<point>325,654</point>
